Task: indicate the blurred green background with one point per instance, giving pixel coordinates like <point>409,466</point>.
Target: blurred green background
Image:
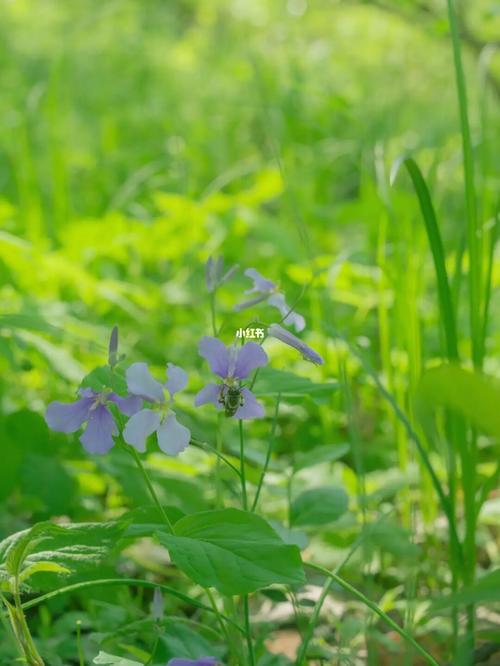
<point>138,138</point>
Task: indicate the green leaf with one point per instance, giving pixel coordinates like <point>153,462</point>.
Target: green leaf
<point>486,589</point>
<point>234,551</point>
<point>271,382</point>
<point>318,506</point>
<point>320,454</point>
<point>179,640</point>
<point>147,520</point>
<point>75,547</point>
<point>105,377</point>
<point>58,488</point>
<point>42,567</point>
<point>105,658</point>
<point>474,395</point>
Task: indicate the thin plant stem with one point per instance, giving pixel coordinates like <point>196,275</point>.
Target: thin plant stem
<point>212,313</point>
<point>309,632</point>
<point>268,454</point>
<point>218,615</point>
<point>248,630</point>
<point>133,582</point>
<point>242,468</point>
<point>81,656</point>
<point>204,446</point>
<point>7,627</point>
<point>376,609</point>
<point>218,479</point>
<point>150,487</point>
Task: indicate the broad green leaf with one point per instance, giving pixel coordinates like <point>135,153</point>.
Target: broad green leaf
<point>75,547</point>
<point>474,395</point>
<point>105,658</point>
<point>234,551</point>
<point>57,491</point>
<point>105,377</point>
<point>271,382</point>
<point>147,520</point>
<point>320,454</point>
<point>391,538</point>
<point>486,589</point>
<point>318,506</point>
<point>179,640</point>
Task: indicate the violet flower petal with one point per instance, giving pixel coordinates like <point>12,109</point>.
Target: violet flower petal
<point>260,283</point>
<point>209,393</point>
<point>173,437</point>
<point>251,408</point>
<point>68,417</point>
<point>217,355</point>
<point>177,379</point>
<point>141,383</point>
<point>98,435</point>
<point>139,427</point>
<point>280,333</point>
<point>128,406</point>
<point>248,304</point>
<point>291,318</point>
<point>249,357</point>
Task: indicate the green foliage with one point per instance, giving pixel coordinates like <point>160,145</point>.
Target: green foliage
<point>47,548</point>
<point>471,394</point>
<point>234,551</point>
<point>272,382</point>
<point>318,506</point>
<point>105,377</point>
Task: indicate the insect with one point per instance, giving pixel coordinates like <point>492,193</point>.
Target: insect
<point>231,398</point>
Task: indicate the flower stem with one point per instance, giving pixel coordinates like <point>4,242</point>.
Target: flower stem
<point>150,487</point>
<point>242,468</point>
<point>212,313</point>
<point>248,631</point>
<point>268,454</point>
<point>377,610</point>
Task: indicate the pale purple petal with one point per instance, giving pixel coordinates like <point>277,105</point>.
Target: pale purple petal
<point>202,661</point>
<point>260,283</point>
<point>217,355</point>
<point>228,274</point>
<point>248,304</point>
<point>209,393</point>
<point>251,408</point>
<point>139,427</point>
<point>250,357</point>
<point>68,417</point>
<point>128,406</point>
<point>173,437</point>
<point>177,379</point>
<point>210,277</point>
<point>158,605</point>
<point>291,318</point>
<point>140,382</point>
<point>98,435</point>
<point>277,331</point>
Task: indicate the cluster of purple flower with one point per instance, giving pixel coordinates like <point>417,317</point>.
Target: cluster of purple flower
<point>231,364</point>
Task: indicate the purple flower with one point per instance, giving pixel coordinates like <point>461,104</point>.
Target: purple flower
<point>277,331</point>
<point>171,435</point>
<point>268,291</point>
<point>202,661</point>
<point>92,408</point>
<point>231,364</point>
<point>214,276</point>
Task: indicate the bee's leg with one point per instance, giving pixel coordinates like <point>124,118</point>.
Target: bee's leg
<point>222,397</point>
